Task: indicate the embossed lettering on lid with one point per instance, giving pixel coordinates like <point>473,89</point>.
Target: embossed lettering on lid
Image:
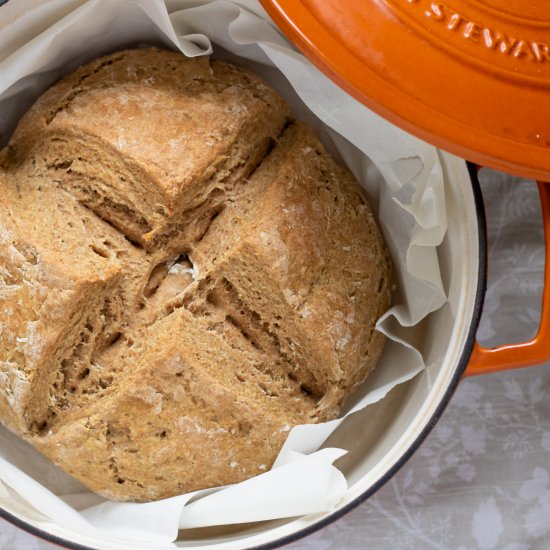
<point>470,76</point>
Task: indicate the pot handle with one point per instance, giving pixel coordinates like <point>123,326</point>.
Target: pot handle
<point>535,351</point>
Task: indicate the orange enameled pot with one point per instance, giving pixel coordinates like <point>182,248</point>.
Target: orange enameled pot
<point>403,58</point>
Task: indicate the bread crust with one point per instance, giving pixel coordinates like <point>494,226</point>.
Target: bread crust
<point>173,303</point>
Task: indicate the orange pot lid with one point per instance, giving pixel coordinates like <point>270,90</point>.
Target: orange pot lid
<point>469,76</point>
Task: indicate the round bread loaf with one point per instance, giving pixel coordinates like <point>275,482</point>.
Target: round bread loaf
<point>185,274</point>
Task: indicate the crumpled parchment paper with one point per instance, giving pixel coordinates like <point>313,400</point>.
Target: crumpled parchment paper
<point>401,175</point>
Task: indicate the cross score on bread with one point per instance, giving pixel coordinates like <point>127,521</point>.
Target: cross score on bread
<point>185,274</point>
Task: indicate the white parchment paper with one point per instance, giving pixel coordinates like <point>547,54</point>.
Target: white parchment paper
<point>401,175</point>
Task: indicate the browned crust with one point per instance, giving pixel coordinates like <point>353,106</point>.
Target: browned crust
<point>166,320</point>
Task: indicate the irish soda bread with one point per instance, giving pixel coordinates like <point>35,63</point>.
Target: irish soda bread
<point>185,274</point>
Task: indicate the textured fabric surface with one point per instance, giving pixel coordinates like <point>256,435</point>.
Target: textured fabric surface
<point>482,478</point>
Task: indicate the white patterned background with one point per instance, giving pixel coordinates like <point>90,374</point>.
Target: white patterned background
<point>482,478</point>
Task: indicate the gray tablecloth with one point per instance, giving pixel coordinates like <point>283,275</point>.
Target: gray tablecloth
<point>482,478</point>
